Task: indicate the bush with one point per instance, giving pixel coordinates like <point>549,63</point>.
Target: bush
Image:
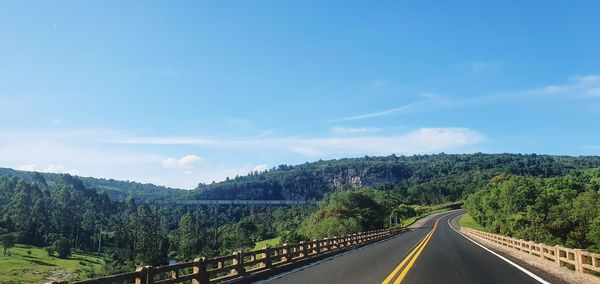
<point>49,250</point>
<point>63,247</point>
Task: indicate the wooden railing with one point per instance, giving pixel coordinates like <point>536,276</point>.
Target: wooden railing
<point>579,260</point>
<point>241,264</point>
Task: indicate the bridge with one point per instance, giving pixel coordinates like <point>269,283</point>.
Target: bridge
<point>432,250</point>
<point>225,202</point>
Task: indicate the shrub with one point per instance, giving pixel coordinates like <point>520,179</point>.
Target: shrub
<point>62,247</point>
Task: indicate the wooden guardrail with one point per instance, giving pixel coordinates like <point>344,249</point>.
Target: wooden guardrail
<point>241,264</point>
<point>581,260</point>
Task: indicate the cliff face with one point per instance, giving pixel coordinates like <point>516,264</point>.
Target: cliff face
<point>360,177</point>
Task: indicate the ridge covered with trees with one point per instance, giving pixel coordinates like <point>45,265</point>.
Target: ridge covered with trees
<point>424,179</point>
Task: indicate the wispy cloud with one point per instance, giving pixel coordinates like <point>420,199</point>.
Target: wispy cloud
<point>184,162</point>
<point>423,140</point>
<point>577,87</point>
<point>354,130</point>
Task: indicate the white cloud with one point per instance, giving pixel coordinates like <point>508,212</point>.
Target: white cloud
<point>50,168</point>
<point>260,168</point>
<point>354,130</point>
<point>423,140</point>
<point>184,162</point>
<point>116,154</point>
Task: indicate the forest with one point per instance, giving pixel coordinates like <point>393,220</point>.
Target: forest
<point>521,195</point>
<point>561,210</point>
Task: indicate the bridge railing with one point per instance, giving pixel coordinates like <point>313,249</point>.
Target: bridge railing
<point>242,264</point>
<point>580,260</point>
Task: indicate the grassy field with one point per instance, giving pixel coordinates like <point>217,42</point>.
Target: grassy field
<point>468,222</point>
<point>37,267</point>
<point>270,242</point>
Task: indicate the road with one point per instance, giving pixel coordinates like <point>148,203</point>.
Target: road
<point>432,253</point>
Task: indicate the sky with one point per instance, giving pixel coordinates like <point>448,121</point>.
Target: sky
<point>181,92</point>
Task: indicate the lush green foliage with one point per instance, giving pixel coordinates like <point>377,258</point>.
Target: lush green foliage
<point>428,179</point>
<point>67,214</point>
<point>563,210</point>
<point>116,189</point>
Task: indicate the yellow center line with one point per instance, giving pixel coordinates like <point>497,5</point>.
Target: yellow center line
<point>391,276</point>
<point>412,256</point>
<point>412,261</point>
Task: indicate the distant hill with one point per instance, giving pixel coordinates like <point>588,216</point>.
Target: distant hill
<point>419,179</point>
<point>116,189</point>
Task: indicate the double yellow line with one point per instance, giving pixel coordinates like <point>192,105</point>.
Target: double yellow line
<point>410,259</point>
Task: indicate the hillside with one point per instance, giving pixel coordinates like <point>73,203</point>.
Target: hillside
<point>419,179</point>
<point>116,189</point>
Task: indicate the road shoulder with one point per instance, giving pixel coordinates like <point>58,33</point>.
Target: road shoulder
<point>544,270</point>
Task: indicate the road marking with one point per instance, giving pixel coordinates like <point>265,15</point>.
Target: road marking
<point>412,257</point>
<point>415,249</point>
<point>531,274</point>
<point>410,264</point>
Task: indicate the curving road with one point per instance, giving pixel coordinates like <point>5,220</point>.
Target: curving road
<point>432,253</point>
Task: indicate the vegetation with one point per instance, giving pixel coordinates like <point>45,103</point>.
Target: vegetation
<point>67,215</point>
<point>468,222</point>
<point>29,264</point>
<point>562,210</point>
<point>423,179</point>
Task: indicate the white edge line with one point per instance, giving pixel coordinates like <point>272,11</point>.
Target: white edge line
<point>531,274</point>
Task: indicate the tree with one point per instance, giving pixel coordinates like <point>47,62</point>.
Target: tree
<point>8,241</point>
<point>187,237</point>
<point>62,246</point>
<point>146,239</point>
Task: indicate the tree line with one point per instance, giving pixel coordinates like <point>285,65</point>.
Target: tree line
<point>561,210</point>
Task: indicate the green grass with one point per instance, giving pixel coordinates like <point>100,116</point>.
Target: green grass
<point>38,267</point>
<point>468,222</point>
<point>435,209</point>
<point>270,242</point>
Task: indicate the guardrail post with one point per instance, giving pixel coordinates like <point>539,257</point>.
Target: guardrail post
<point>317,247</point>
<point>145,276</point>
<point>286,252</point>
<point>238,263</point>
<point>302,249</point>
<point>557,255</point>
<point>268,260</point>
<point>201,276</point>
<point>578,264</point>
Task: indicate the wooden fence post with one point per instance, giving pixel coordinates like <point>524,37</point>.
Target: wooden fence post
<point>317,246</point>
<point>145,276</point>
<point>557,255</point>
<point>578,264</point>
<point>302,249</point>
<point>239,263</point>
<point>201,276</point>
<point>268,259</point>
<point>286,252</point>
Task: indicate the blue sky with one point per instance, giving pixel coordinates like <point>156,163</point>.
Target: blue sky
<point>177,93</point>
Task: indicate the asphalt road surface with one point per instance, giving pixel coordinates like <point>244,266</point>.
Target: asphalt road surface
<point>432,253</point>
